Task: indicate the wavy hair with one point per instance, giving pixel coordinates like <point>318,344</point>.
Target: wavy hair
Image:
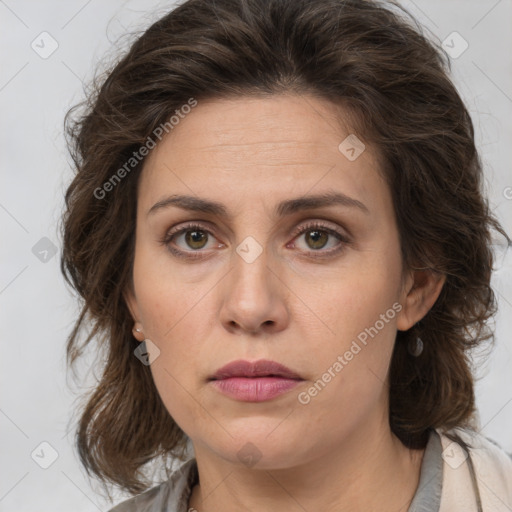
<point>370,57</point>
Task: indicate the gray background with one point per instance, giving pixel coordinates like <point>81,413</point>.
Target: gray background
<point>37,310</point>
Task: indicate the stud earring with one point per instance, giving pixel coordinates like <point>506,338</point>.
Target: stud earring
<point>137,333</point>
<point>415,346</point>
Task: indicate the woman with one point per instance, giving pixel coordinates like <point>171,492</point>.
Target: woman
<point>278,231</point>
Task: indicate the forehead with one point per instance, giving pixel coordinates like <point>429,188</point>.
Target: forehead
<point>268,124</point>
<point>260,147</point>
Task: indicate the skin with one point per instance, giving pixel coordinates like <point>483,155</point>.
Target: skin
<point>337,452</point>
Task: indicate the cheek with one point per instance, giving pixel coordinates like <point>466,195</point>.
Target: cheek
<point>163,297</point>
<point>173,312</point>
<point>351,370</point>
<point>172,317</point>
<point>356,298</point>
<point>360,308</point>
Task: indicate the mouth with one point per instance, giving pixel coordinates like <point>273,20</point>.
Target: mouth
<point>257,381</point>
<point>261,368</point>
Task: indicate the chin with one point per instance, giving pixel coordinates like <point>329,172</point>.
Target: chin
<point>258,444</point>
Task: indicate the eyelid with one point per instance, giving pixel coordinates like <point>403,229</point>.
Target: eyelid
<point>319,224</point>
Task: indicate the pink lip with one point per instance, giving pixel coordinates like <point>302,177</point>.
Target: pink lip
<point>254,382</point>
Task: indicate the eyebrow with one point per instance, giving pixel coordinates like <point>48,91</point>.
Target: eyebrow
<point>288,207</point>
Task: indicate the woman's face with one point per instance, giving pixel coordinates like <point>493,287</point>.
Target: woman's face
<point>317,287</point>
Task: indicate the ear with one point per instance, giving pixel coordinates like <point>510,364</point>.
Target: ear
<point>420,292</point>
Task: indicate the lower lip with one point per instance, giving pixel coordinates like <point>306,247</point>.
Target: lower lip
<point>254,389</point>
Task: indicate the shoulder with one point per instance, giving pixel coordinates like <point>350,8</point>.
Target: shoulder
<point>483,448</point>
<point>170,496</point>
<point>475,469</point>
<point>148,501</point>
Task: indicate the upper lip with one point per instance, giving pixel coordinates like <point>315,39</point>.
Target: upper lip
<point>261,368</point>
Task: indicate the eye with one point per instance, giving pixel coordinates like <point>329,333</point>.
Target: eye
<point>318,236</point>
<point>190,239</point>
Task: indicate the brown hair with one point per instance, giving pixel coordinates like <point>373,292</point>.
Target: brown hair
<point>364,55</point>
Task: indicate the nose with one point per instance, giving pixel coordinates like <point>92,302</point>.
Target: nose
<point>254,298</point>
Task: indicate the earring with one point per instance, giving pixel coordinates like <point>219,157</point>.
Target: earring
<point>415,346</point>
<point>137,333</point>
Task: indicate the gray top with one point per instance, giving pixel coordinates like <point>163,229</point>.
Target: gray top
<point>428,494</point>
<point>173,495</point>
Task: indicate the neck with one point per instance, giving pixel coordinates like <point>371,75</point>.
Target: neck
<point>368,471</point>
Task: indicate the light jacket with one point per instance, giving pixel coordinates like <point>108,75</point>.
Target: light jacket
<point>477,474</point>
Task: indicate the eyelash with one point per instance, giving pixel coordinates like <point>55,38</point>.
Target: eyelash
<point>315,225</point>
